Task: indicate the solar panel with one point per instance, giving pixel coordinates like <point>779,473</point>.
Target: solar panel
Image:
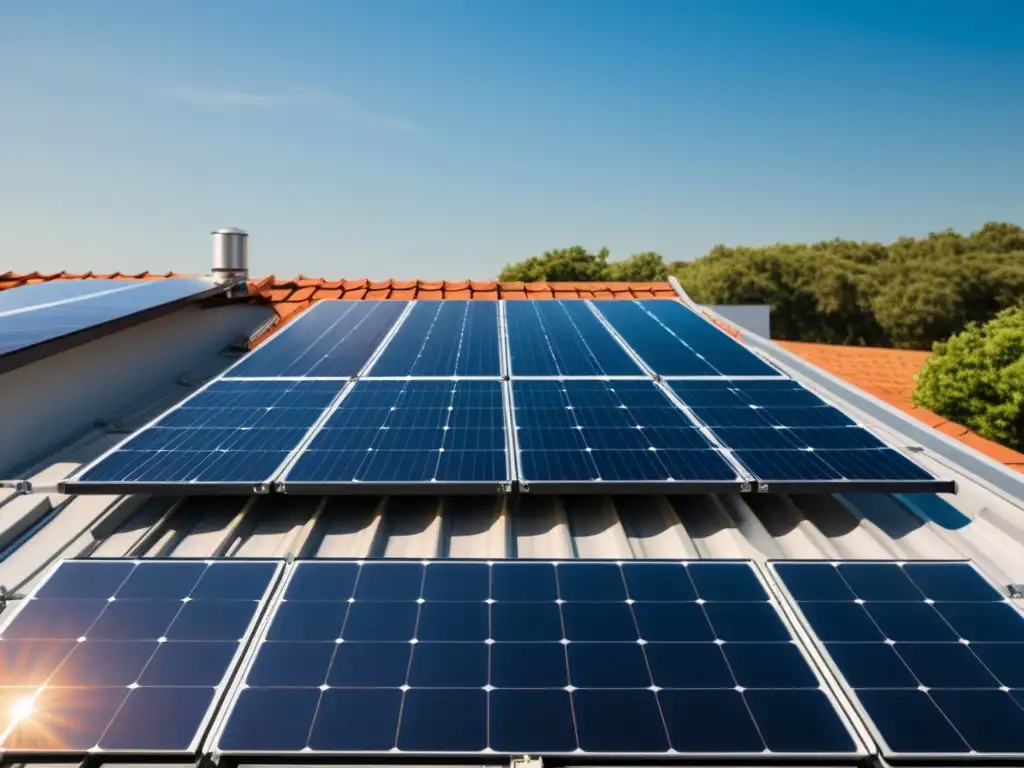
<point>673,341</point>
<point>788,436</point>
<point>229,435</point>
<point>583,657</point>
<point>931,652</point>
<point>408,434</point>
<point>123,656</point>
<point>563,338</point>
<point>587,434</point>
<point>444,338</point>
<point>32,315</point>
<point>330,339</point>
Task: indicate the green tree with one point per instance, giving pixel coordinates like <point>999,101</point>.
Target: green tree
<point>646,267</point>
<point>976,378</point>
<point>560,265</point>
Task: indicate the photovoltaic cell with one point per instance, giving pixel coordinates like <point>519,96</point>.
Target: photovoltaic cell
<point>125,656</point>
<point>586,431</point>
<point>563,338</point>
<point>332,338</point>
<point>233,432</point>
<point>930,649</point>
<point>409,432</point>
<point>444,338</point>
<point>463,657</point>
<point>673,341</point>
<point>783,433</point>
<point>33,314</point>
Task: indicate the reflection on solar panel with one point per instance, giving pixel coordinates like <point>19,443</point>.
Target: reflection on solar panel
<point>595,432</point>
<point>563,338</point>
<point>458,658</point>
<point>408,432</point>
<point>444,338</point>
<point>332,338</point>
<point>33,314</point>
<point>931,651</point>
<point>673,341</point>
<point>785,434</point>
<point>125,656</point>
<point>232,433</point>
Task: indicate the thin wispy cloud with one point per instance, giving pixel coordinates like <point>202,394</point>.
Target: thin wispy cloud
<point>332,103</point>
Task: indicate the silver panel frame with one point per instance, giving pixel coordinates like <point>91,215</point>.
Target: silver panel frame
<point>814,642</point>
<point>392,757</point>
<point>220,691</point>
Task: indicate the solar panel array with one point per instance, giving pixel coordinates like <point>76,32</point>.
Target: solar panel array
<point>125,657</point>
<point>169,659</point>
<point>931,651</point>
<point>584,658</point>
<point>32,315</point>
<point>556,396</point>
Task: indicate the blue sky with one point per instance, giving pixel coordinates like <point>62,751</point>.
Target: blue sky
<point>444,138</point>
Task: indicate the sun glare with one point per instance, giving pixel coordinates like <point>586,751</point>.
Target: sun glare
<point>20,709</point>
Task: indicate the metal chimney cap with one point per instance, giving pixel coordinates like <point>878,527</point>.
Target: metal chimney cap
<point>230,231</point>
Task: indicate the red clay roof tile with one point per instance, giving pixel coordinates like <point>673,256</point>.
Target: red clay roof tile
<point>380,285</point>
<point>431,285</point>
<point>359,282</point>
<point>485,294</point>
<point>456,294</point>
<point>404,285</point>
<point>326,293</point>
<point>429,295</point>
<point>376,294</point>
<point>408,294</point>
<point>355,293</point>
<point>456,285</point>
<point>303,294</point>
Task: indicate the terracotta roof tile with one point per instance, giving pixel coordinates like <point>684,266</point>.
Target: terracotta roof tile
<point>326,293</point>
<point>332,284</point>
<point>307,282</point>
<point>456,294</point>
<point>456,285</point>
<point>303,294</point>
<point>405,285</point>
<point>407,294</point>
<point>429,295</point>
<point>538,287</point>
<point>360,282</point>
<point>355,293</point>
<point>485,294</point>
<point>511,287</point>
<point>277,296</point>
<point>483,285</point>
<point>431,285</point>
<point>378,293</point>
<point>514,295</point>
<point>566,294</point>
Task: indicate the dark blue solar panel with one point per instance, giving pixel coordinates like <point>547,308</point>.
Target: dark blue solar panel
<point>125,656</point>
<point>673,341</point>
<point>461,658</point>
<point>563,338</point>
<point>333,338</point>
<point>444,338</point>
<point>34,314</point>
<point>931,650</point>
<point>410,432</point>
<point>782,432</point>
<point>231,432</point>
<point>581,431</point>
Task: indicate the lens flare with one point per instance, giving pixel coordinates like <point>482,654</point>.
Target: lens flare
<point>20,709</point>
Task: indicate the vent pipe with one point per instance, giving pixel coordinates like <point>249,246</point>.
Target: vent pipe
<point>230,255</point>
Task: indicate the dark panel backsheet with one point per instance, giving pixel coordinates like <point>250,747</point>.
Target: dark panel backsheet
<point>673,341</point>
<point>444,338</point>
<point>34,314</point>
<point>931,650</point>
<point>332,338</point>
<point>458,658</point>
<point>574,431</point>
<point>563,338</point>
<point>232,432</point>
<point>124,656</point>
<point>784,433</point>
<point>409,432</point>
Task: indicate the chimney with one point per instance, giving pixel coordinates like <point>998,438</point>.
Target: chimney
<point>230,255</point>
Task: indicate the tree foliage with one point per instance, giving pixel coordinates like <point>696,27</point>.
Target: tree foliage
<point>908,294</point>
<point>976,378</point>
